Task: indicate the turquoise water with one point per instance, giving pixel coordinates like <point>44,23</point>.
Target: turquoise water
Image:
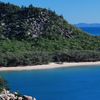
<point>81,83</point>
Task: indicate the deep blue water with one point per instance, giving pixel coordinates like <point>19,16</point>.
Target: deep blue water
<point>92,30</point>
<point>81,83</point>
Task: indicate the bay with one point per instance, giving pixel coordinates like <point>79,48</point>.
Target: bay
<point>79,83</point>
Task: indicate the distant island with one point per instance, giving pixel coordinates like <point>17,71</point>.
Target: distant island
<point>88,25</point>
<point>36,36</point>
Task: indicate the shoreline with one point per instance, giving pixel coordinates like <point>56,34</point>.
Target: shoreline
<point>49,66</point>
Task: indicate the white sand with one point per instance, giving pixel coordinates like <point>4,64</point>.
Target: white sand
<point>49,66</point>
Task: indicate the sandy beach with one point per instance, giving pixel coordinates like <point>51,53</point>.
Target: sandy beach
<point>49,66</point>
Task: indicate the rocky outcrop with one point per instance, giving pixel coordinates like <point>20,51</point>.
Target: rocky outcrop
<point>7,95</point>
<point>32,22</point>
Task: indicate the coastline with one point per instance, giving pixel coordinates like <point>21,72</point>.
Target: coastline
<point>49,66</point>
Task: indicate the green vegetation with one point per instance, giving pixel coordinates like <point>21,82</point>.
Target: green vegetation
<point>31,35</point>
<point>3,84</point>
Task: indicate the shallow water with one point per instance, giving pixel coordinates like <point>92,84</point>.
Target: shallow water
<point>80,83</point>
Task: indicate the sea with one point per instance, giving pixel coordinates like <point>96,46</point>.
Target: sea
<point>95,31</point>
<point>78,83</point>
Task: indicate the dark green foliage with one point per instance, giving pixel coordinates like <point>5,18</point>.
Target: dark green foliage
<point>3,84</point>
<point>30,58</point>
<point>31,36</point>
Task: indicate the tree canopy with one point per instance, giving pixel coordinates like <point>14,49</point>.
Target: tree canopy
<point>32,35</point>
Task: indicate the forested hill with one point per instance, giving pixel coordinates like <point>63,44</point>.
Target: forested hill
<point>31,35</point>
<point>31,22</point>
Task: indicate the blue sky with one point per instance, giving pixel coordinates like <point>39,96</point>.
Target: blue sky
<point>74,11</point>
